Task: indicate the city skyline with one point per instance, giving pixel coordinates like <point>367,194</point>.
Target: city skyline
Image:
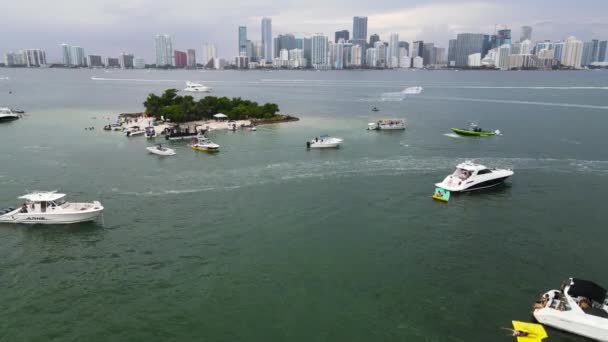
<point>119,28</point>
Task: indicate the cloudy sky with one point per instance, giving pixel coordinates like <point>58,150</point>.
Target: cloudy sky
<point>111,26</point>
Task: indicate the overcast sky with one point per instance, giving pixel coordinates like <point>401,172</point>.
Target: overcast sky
<point>111,26</point>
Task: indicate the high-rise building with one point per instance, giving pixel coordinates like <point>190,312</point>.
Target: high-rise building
<point>208,54</point>
<point>428,56</point>
<point>526,33</point>
<point>267,39</point>
<point>242,41</point>
<point>94,61</point>
<point>474,60</point>
<point>452,53</point>
<point>250,47</point>
<point>139,63</point>
<point>342,35</point>
<point>319,51</point>
<point>406,46</point>
<point>417,62</point>
<point>503,37</point>
<point>587,55</point>
<point>405,62</point>
<point>300,43</point>
<point>164,50</point>
<point>559,51</point>
<point>126,60</point>
<point>595,50</point>
<point>307,47</point>
<point>181,59</point>
<point>381,51</point>
<point>393,51</point>
<point>34,57</point>
<point>191,60</point>
<point>418,49</point>
<point>502,57</point>
<point>12,59</point>
<point>337,55</point>
<point>66,54</point>
<point>371,57</point>
<point>468,44</point>
<point>373,39</point>
<point>440,57</point>
<point>355,56</point>
<point>360,31</point>
<point>525,47</point>
<point>284,41</point>
<point>78,57</point>
<point>296,59</point>
<point>573,52</point>
<point>110,62</point>
<point>603,51</point>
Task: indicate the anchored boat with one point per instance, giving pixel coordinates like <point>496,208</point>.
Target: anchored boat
<point>324,141</point>
<point>204,144</point>
<point>386,125</point>
<point>470,176</point>
<point>50,208</point>
<point>161,150</point>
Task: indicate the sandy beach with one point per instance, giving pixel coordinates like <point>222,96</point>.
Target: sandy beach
<point>211,125</point>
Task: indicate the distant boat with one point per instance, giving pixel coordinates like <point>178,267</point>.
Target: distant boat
<point>413,90</point>
<point>475,131</point>
<point>6,114</point>
<point>197,87</point>
<point>324,141</point>
<point>161,150</point>
<point>375,109</point>
<point>386,125</point>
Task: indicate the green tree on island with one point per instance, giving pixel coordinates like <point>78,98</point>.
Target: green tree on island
<point>184,108</point>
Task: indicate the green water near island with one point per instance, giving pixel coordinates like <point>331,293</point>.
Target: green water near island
<point>269,241</point>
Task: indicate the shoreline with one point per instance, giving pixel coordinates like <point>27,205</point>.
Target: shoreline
<point>129,120</point>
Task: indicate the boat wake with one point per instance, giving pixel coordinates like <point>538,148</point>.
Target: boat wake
<point>530,87</point>
<point>536,103</point>
<point>452,135</point>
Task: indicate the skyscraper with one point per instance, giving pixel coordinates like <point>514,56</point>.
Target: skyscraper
<point>284,41</point>
<point>126,60</point>
<point>164,50</point>
<point>405,45</point>
<point>392,57</point>
<point>181,59</point>
<point>78,57</point>
<point>34,57</point>
<point>267,39</point>
<point>428,56</point>
<point>342,35</point>
<point>191,60</point>
<point>587,56</point>
<point>360,31</point>
<point>526,33</point>
<point>603,51</point>
<point>504,37</point>
<point>418,49</point>
<point>319,51</point>
<point>573,52</point>
<point>307,47</point>
<point>66,54</point>
<point>468,44</point>
<point>373,39</point>
<point>559,51</point>
<point>208,54</point>
<point>452,53</point>
<point>242,41</point>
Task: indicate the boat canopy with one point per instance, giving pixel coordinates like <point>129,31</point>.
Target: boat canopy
<point>48,196</point>
<point>586,288</point>
<point>470,166</point>
<point>220,115</point>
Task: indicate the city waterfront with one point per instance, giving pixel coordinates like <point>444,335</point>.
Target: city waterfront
<point>268,241</point>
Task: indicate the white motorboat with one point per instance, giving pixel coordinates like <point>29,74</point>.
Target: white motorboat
<point>196,87</point>
<point>470,176</point>
<point>161,150</point>
<point>134,131</point>
<point>386,125</point>
<point>324,141</point>
<point>412,90</point>
<point>6,114</point>
<point>201,143</point>
<point>580,307</point>
<point>50,208</point>
<point>150,132</point>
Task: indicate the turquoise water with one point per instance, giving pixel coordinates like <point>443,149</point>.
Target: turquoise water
<point>268,241</point>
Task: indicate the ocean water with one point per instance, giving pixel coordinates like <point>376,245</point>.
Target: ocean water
<point>266,241</point>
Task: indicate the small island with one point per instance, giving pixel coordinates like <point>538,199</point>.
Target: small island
<point>184,109</point>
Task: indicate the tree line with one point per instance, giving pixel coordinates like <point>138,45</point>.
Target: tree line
<point>184,108</point>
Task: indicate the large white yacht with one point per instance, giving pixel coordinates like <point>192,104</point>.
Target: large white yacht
<point>470,176</point>
<point>579,307</point>
<point>6,114</point>
<point>196,87</point>
<point>386,125</point>
<point>50,208</point>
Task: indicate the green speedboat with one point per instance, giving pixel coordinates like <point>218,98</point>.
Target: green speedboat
<point>474,131</point>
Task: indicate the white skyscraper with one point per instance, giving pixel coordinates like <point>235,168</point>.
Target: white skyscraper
<point>78,58</point>
<point>66,54</point>
<point>208,54</point>
<point>164,50</point>
<point>392,56</point>
<point>417,62</point>
<point>405,62</point>
<point>501,60</point>
<point>355,56</point>
<point>319,51</point>
<point>267,39</point>
<point>34,57</point>
<point>525,47</point>
<point>573,52</point>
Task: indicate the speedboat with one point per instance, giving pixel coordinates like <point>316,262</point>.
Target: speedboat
<point>386,125</point>
<point>134,131</point>
<point>579,307</point>
<point>196,87</point>
<point>412,90</point>
<point>475,130</point>
<point>6,114</point>
<point>324,141</point>
<point>375,109</point>
<point>161,150</point>
<point>50,208</point>
<point>470,176</point>
<point>204,144</point>
<point>150,132</point>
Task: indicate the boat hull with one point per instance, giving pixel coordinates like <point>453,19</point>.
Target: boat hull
<point>473,133</point>
<point>51,218</point>
<point>206,149</point>
<point>8,118</point>
<point>584,325</point>
<point>167,152</point>
<point>473,186</point>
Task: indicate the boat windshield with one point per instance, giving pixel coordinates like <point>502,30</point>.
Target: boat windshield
<point>462,173</point>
